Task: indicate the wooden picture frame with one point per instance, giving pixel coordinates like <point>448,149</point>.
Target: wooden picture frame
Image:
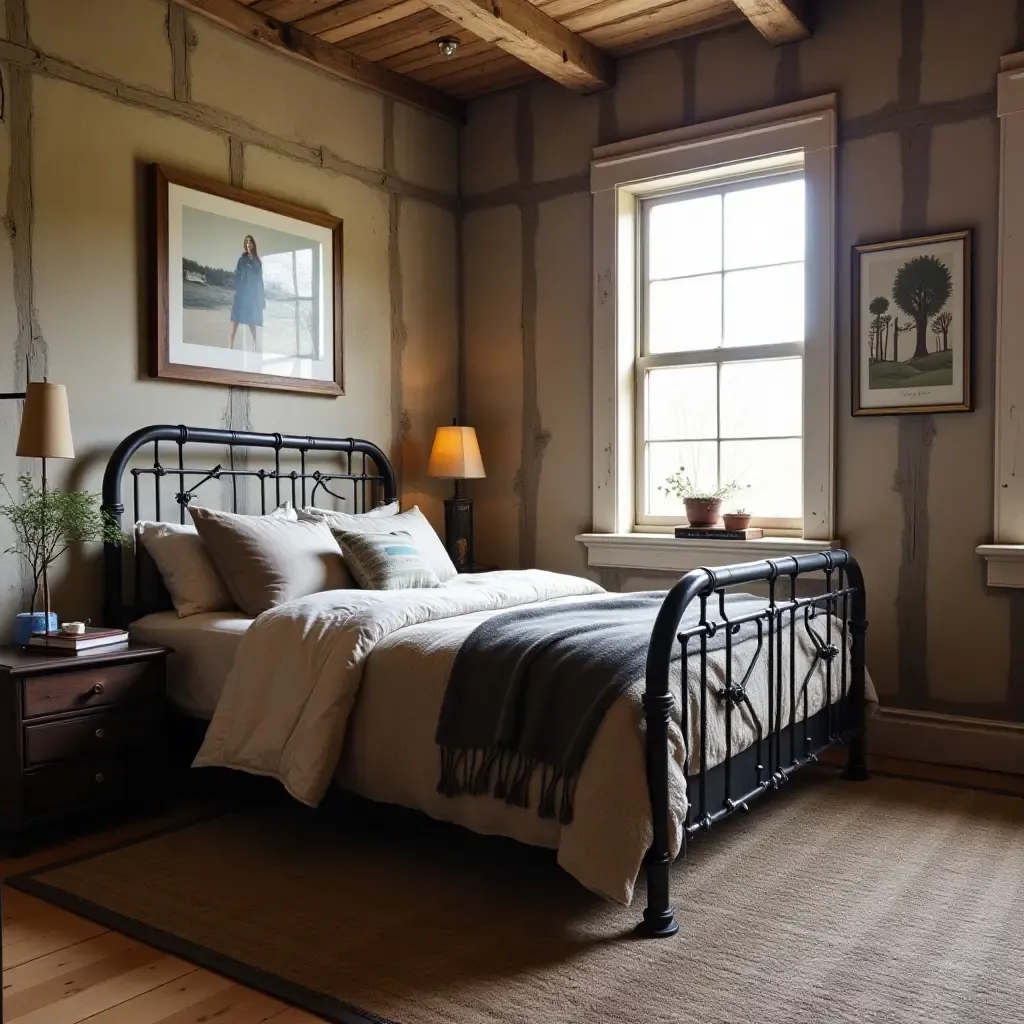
<point>895,370</point>
<point>227,312</point>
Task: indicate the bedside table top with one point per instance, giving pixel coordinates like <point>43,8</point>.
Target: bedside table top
<point>22,661</point>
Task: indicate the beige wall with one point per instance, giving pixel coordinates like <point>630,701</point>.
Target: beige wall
<point>119,91</point>
<point>918,153</point>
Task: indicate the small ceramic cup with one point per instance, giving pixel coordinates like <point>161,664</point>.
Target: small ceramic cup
<point>72,628</point>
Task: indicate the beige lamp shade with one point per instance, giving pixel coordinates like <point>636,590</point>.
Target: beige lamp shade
<point>456,454</point>
<point>46,423</point>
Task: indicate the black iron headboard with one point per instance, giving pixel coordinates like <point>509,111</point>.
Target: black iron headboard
<point>370,484</point>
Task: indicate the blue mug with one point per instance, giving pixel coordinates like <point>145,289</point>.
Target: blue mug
<point>27,623</point>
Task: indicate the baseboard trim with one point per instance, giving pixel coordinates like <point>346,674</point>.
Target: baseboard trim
<point>984,743</point>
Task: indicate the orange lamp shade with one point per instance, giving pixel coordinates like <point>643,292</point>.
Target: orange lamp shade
<point>456,454</point>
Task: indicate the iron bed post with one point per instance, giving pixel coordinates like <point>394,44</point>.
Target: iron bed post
<point>856,765</point>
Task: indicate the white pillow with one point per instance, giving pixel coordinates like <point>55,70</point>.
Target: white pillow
<point>186,568</point>
<point>185,565</point>
<point>374,513</point>
<point>414,522</point>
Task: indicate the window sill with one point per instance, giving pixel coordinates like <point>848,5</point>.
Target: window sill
<point>1005,564</point>
<point>665,553</point>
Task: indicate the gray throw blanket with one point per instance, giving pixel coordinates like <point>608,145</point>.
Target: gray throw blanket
<point>529,688</point>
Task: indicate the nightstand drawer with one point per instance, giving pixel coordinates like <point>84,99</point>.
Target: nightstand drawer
<point>88,687</point>
<point>62,788</point>
<point>90,736</point>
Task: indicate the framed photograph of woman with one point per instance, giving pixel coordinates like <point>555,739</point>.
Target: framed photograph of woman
<point>912,325</point>
<point>248,288</point>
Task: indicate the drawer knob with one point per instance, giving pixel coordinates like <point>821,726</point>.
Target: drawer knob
<point>97,689</point>
<point>100,777</point>
<point>100,733</point>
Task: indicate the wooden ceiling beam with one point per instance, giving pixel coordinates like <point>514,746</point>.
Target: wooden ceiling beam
<point>276,35</point>
<point>779,21</point>
<point>524,31</point>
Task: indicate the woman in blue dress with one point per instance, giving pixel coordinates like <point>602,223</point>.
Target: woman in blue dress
<point>247,307</point>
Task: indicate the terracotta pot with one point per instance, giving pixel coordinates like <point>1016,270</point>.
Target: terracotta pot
<point>736,520</point>
<point>702,512</point>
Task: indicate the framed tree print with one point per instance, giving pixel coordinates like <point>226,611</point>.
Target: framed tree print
<point>247,288</point>
<point>912,326</point>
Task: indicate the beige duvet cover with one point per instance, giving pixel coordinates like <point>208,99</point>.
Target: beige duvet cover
<point>349,684</point>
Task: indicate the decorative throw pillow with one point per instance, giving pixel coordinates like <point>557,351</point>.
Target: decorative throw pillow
<point>386,561</point>
<point>414,522</point>
<point>267,560</point>
<point>185,567</point>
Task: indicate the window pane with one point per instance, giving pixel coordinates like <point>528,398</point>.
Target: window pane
<point>762,398</point>
<point>684,237</point>
<point>770,474</point>
<point>700,459</point>
<point>682,403</point>
<point>685,315</point>
<point>764,225</point>
<point>766,306</point>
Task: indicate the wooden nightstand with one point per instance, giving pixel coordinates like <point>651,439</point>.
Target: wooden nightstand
<point>78,733</point>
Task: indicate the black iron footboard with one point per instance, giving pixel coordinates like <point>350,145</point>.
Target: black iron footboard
<point>783,743</point>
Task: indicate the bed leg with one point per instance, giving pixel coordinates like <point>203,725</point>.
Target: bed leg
<point>659,916</point>
<point>856,764</point>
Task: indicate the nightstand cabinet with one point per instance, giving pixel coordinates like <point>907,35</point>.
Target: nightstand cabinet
<point>79,733</point>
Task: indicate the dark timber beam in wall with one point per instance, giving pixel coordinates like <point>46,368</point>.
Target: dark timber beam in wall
<point>526,32</point>
<point>779,21</point>
<point>326,56</point>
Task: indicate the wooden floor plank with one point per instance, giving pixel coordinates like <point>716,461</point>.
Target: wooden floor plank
<point>177,1000</point>
<point>54,990</point>
<point>43,968</point>
<point>108,993</point>
<point>235,1005</point>
<point>293,1015</point>
<point>49,939</point>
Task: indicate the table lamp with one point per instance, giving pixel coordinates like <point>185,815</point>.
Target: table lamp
<point>45,434</point>
<point>456,456</point>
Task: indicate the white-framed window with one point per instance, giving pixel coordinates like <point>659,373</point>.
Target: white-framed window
<point>1005,555</point>
<point>719,370</point>
<point>714,329</point>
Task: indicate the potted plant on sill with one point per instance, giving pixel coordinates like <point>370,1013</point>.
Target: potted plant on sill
<point>44,528</point>
<point>738,520</point>
<point>702,506</point>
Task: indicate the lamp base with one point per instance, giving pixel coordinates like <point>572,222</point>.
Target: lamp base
<point>458,532</point>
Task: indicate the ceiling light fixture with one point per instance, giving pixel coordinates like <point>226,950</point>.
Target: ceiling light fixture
<point>448,45</point>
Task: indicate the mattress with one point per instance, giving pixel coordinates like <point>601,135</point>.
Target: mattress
<point>204,648</point>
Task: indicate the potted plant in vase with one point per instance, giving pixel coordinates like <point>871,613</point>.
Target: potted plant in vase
<point>44,528</point>
<point>738,520</point>
<point>702,506</point>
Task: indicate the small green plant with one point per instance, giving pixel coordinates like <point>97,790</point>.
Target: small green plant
<point>43,531</point>
<point>679,485</point>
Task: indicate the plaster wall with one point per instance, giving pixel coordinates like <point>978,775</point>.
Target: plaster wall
<point>918,154</point>
<point>137,82</point>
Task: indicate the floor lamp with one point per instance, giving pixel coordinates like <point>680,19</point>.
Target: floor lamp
<point>45,434</point>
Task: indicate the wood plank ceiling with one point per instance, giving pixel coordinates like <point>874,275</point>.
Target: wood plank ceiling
<point>392,45</point>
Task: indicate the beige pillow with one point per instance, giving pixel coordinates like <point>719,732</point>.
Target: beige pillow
<point>414,522</point>
<point>265,560</point>
<point>185,567</point>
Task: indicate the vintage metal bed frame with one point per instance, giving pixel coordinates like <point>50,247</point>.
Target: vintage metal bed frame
<point>834,620</point>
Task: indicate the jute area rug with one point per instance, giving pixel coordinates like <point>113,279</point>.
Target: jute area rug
<point>889,901</point>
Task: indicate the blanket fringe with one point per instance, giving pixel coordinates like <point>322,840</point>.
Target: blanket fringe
<point>507,776</point>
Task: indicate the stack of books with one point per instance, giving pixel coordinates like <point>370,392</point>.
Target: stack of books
<point>80,643</point>
<point>717,533</point>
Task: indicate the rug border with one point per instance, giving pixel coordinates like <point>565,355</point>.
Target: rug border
<point>202,956</point>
